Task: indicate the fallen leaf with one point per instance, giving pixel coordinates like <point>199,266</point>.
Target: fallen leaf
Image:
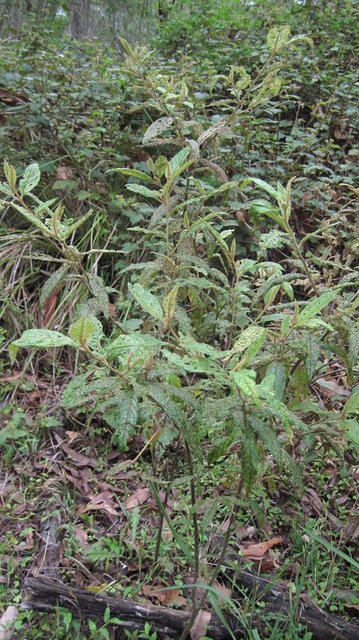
<point>12,98</point>
<point>72,435</point>
<point>166,597</point>
<point>246,532</point>
<point>259,549</point>
<point>311,503</point>
<point>100,506</point>
<point>79,459</point>
<point>200,625</point>
<point>167,534</point>
<point>82,537</point>
<point>100,502</point>
<point>331,388</point>
<point>264,565</point>
<point>13,378</point>
<point>139,497</point>
<point>63,173</point>
<point>351,530</point>
<point>223,593</point>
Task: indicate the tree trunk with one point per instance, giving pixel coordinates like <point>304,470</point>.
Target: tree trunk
<point>80,18</point>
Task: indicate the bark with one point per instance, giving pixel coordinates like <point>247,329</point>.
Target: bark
<point>80,18</point>
<point>45,595</point>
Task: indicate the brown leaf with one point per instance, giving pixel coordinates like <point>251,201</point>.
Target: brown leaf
<point>13,378</point>
<point>200,625</point>
<point>258,550</point>
<point>81,537</point>
<point>79,459</point>
<point>72,435</point>
<point>50,306</point>
<point>112,310</point>
<point>167,534</point>
<point>99,506</point>
<point>312,503</point>
<point>351,529</point>
<point>331,388</point>
<point>246,532</point>
<point>84,474</point>
<point>264,565</point>
<point>223,593</point>
<point>139,497</point>
<point>164,596</point>
<point>63,173</point>
<point>12,98</point>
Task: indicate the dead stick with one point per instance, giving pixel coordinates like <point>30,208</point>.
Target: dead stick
<point>46,594</point>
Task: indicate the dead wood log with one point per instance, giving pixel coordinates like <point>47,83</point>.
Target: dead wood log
<point>323,626</point>
<point>46,594</point>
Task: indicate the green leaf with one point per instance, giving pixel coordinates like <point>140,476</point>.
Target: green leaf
<point>144,191</point>
<point>43,339</point>
<point>95,339</point>
<point>248,337</point>
<point>244,79</point>
<point>147,301</point>
<point>286,322</point>
<point>352,430</point>
<point>136,344</point>
<point>270,296</point>
<point>10,175</point>
<point>169,305</point>
<point>81,391</point>
<point>98,290</point>
<point>276,371</point>
<point>314,307</point>
<point>278,410</point>
<point>249,457</point>
<point>13,431</point>
<point>123,419</point>
<point>265,186</point>
<point>277,38</point>
<point>92,627</point>
<point>192,364</point>
<point>264,208</point>
<point>135,173</point>
<point>352,404</point>
<point>30,179</point>
<point>51,283</point>
<point>171,408</point>
<point>12,351</point>
<point>81,330</point>
<point>73,227</point>
<point>33,219</point>
<point>177,161</point>
<point>245,381</point>
<point>4,188</point>
<point>63,185</point>
<point>156,128</point>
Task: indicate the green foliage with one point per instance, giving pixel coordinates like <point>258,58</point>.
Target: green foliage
<point>207,290</point>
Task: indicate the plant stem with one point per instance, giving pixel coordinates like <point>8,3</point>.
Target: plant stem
<point>194,522</point>
<point>302,259</point>
<point>219,563</point>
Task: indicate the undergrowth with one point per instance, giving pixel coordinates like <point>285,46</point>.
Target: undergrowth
<point>179,295</point>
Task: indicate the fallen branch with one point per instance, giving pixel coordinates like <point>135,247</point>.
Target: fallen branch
<point>322,625</point>
<point>45,595</point>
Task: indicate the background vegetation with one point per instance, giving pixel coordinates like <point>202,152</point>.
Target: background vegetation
<point>179,324</point>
